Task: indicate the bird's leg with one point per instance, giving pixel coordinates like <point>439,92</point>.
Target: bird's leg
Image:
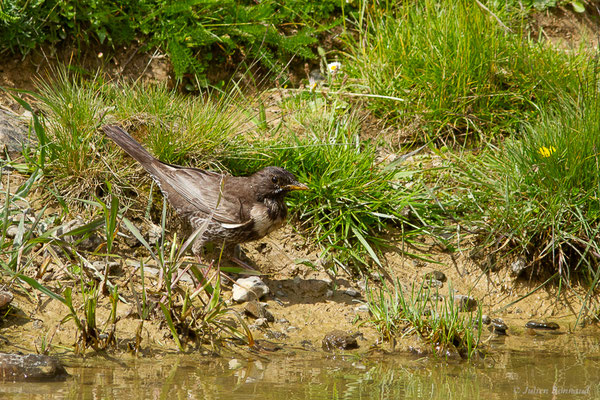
<point>236,258</point>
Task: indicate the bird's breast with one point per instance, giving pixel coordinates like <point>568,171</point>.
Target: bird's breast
<point>266,219</point>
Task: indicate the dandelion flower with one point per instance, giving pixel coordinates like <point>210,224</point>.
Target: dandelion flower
<point>334,67</point>
<point>546,151</point>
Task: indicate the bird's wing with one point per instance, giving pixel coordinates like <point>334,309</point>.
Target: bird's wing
<point>194,189</point>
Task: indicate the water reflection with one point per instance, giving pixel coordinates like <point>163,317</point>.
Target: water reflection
<point>525,374</point>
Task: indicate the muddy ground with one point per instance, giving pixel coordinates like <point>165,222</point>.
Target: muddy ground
<point>305,299</point>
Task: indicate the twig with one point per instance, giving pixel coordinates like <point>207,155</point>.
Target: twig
<point>506,28</point>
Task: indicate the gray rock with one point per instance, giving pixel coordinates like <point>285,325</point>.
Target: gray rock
<point>12,231</point>
<point>352,292</point>
<point>465,303</point>
<point>260,322</point>
<point>498,326</point>
<point>518,267</point>
<point>251,288</point>
<point>154,234</point>
<point>18,367</point>
<point>13,134</point>
<point>258,310</point>
<point>436,275</point>
<point>542,325</point>
<point>339,340</point>
<point>90,243</point>
<point>434,284</point>
<point>5,298</point>
<point>362,308</point>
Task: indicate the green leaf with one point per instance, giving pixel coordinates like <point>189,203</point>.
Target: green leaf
<point>578,6</point>
<point>366,245</point>
<point>171,325</point>
<point>38,286</point>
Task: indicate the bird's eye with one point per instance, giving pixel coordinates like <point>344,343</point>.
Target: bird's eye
<point>274,179</point>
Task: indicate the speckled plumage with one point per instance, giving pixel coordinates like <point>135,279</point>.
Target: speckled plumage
<point>229,209</point>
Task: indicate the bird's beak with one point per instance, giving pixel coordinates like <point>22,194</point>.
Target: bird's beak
<point>296,186</point>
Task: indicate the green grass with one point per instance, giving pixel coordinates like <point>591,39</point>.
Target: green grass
<point>353,199</point>
<point>438,322</point>
<point>539,192</point>
<point>460,73</point>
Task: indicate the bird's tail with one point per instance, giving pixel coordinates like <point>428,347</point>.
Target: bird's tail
<point>130,145</point>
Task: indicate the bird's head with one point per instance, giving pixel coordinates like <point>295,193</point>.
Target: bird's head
<point>274,182</point>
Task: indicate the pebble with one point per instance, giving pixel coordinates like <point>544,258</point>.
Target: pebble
<point>498,326</point>
<point>465,303</point>
<point>352,292</point>
<point>552,326</point>
<point>436,275</point>
<point>5,298</point>
<point>518,266</point>
<point>12,231</point>
<point>154,234</point>
<point>258,310</point>
<point>485,319</point>
<point>250,288</point>
<point>433,284</point>
<point>261,322</point>
<point>269,334</point>
<point>338,339</point>
<point>362,308</point>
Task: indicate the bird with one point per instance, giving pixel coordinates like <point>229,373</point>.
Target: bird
<point>223,209</point>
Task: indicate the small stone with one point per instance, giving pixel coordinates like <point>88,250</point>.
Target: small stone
<point>552,326</point>
<point>12,231</point>
<point>280,293</point>
<point>269,334</point>
<point>498,326</point>
<point>436,275</point>
<point>258,310</point>
<point>485,319</point>
<point>234,364</point>
<point>283,321</point>
<point>362,285</point>
<point>249,288</point>
<point>465,303</point>
<point>14,135</point>
<point>362,308</point>
<point>434,284</point>
<point>154,234</point>
<point>5,298</point>
<point>376,277</point>
<point>261,322</point>
<point>352,292</point>
<point>329,293</point>
<point>338,339</point>
<point>291,328</point>
<point>518,267</point>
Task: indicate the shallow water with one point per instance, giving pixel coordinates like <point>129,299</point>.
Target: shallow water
<point>569,372</point>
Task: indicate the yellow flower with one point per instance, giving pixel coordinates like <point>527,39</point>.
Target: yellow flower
<point>546,151</point>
